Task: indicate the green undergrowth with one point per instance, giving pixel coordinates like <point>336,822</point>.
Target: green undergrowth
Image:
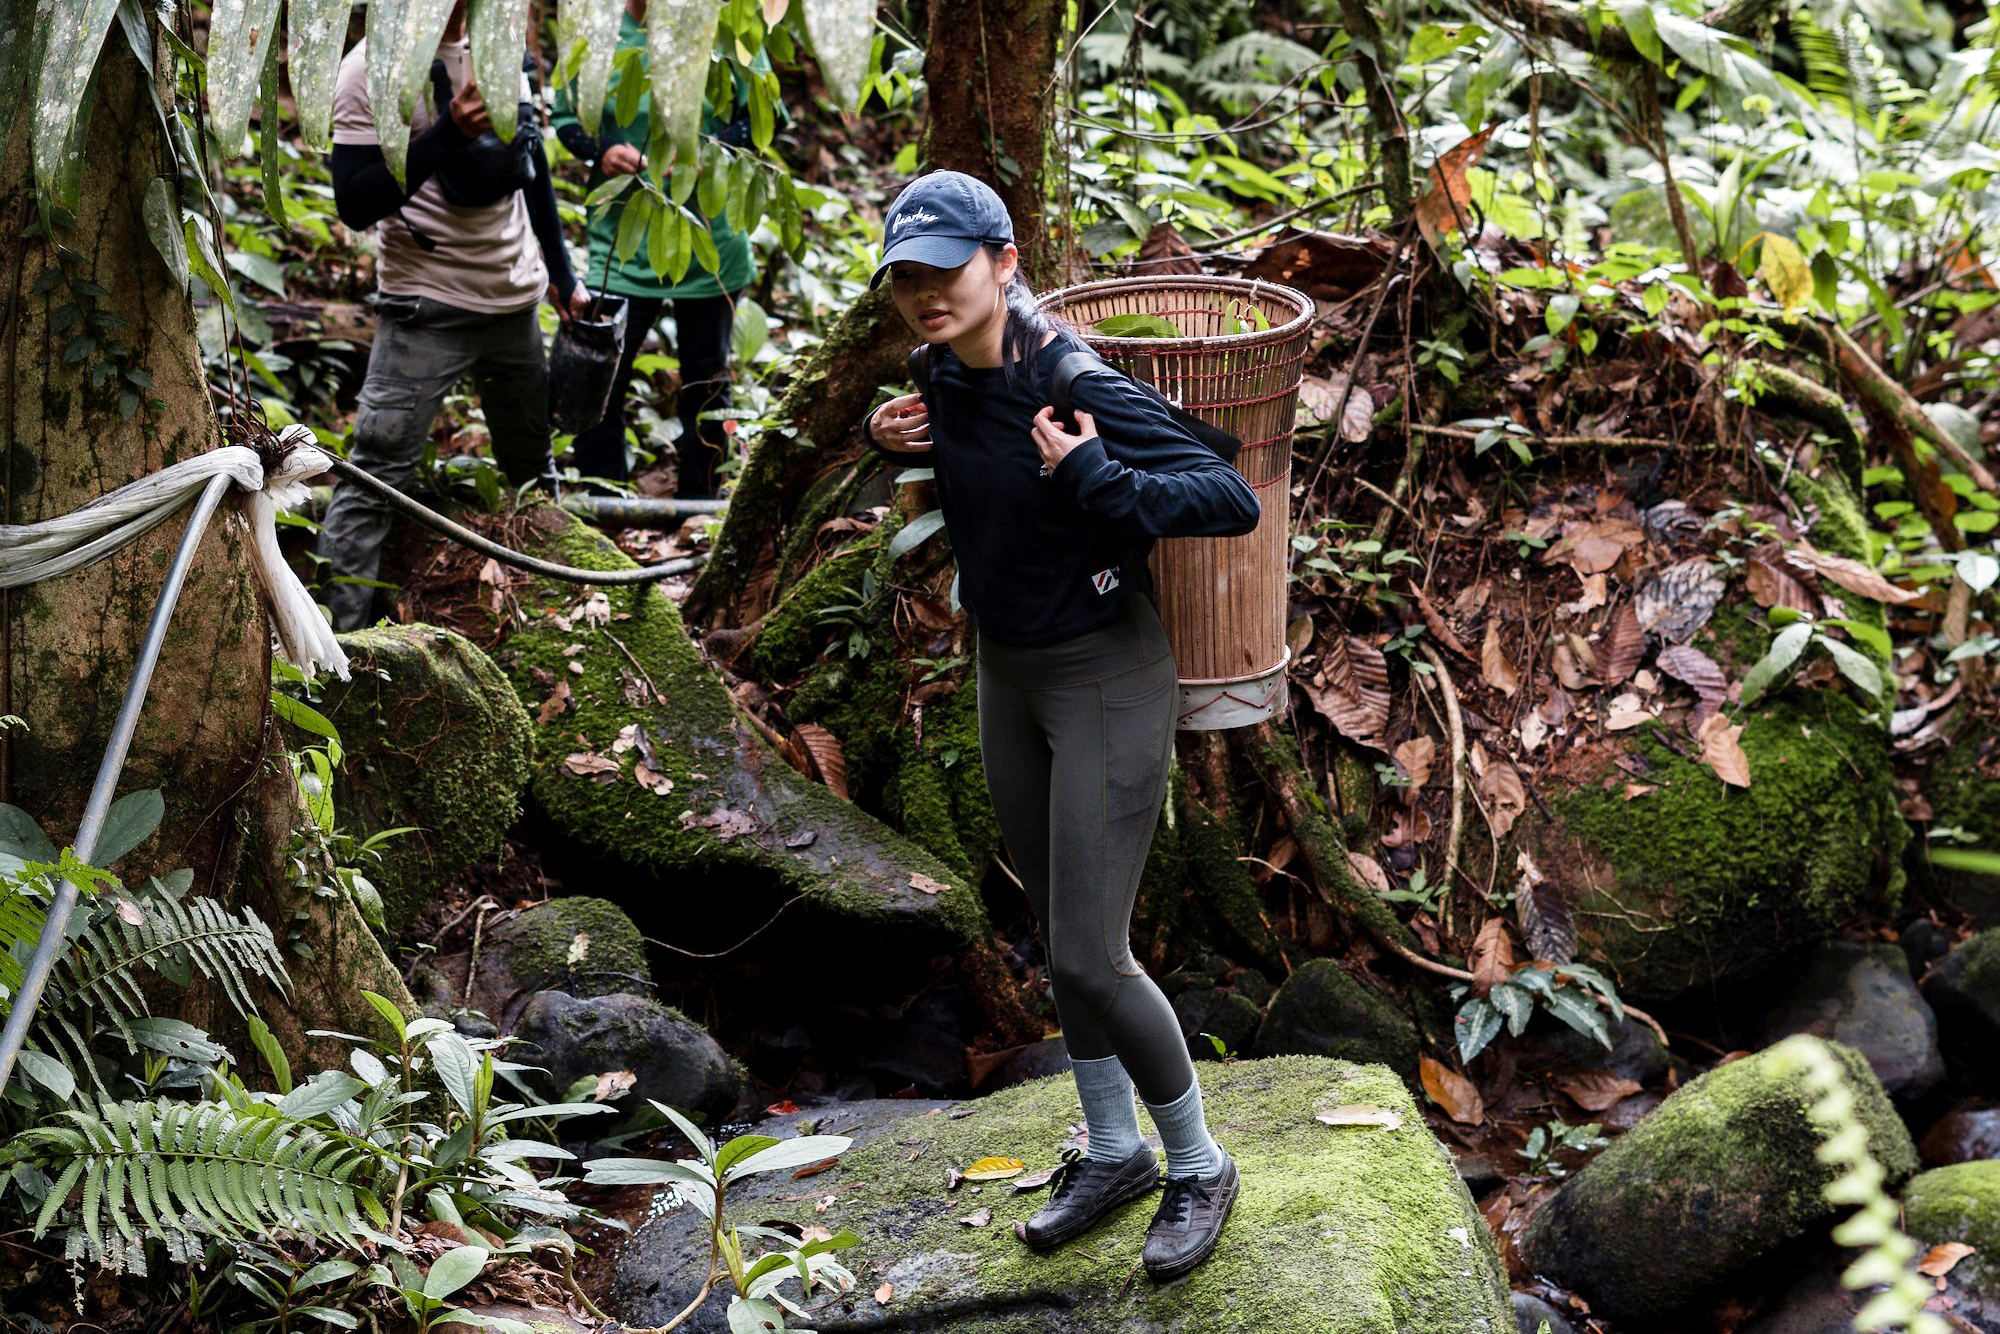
<point>1350,1230</point>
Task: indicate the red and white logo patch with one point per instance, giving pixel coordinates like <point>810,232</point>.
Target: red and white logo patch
<point>1105,580</point>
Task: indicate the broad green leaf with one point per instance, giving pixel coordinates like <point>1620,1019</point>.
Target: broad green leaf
<point>595,23</point>
<point>555,1109</point>
<point>267,1046</point>
<point>307,719</point>
<point>453,1270</point>
<point>1715,54</point>
<point>1856,666</point>
<point>326,1271</point>
<point>679,35</point>
<point>750,330</point>
<point>202,258</point>
<point>1478,1023</point>
<point>915,531</point>
<point>1873,636</point>
<point>788,1154</point>
<point>1782,266</point>
<point>645,1172</point>
<point>176,1038</point>
<point>270,147</point>
<point>1637,18</point>
<point>453,1060</point>
<point>322,1093</point>
<point>1966,859</point>
<point>1516,1005</point>
<point>390,1012</point>
<point>750,1315</point>
<point>1561,310</point>
<point>1580,1013</point>
<point>1138,326</point>
<point>68,36</point>
<point>47,1071</point>
<point>688,1128</point>
<point>130,822</point>
<point>330,1316</point>
<point>1777,663</point>
<point>318,27</point>
<point>499,36</point>
<point>742,1147</point>
<point>841,32</point>
<point>239,32</point>
<point>22,837</point>
<point>162,211</point>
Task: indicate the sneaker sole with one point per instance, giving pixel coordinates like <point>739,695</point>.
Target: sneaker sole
<point>1167,1273</point>
<point>1131,1193</point>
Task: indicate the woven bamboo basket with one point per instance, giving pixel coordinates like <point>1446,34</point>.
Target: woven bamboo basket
<point>1222,599</point>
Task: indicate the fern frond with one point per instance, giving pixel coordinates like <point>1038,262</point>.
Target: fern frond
<point>95,986</point>
<point>180,1170</point>
<point>21,918</point>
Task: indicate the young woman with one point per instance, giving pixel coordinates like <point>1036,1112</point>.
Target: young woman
<point>1051,528</point>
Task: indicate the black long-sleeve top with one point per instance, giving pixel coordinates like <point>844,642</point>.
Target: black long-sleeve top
<point>1044,558</point>
<point>364,192</point>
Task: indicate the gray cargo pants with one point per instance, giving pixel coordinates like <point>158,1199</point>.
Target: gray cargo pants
<point>422,348</point>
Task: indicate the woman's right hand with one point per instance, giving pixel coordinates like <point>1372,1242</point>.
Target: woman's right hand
<point>622,160</point>
<point>468,111</point>
<point>902,425</point>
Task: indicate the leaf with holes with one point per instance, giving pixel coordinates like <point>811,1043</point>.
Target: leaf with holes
<point>829,762</point>
<point>239,31</point>
<point>1692,667</point>
<point>1504,795</point>
<point>1494,667</point>
<point>1723,752</point>
<point>1355,698</point>
<point>1451,1091</point>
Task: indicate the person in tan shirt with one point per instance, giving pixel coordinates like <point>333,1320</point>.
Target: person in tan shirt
<point>458,284</point>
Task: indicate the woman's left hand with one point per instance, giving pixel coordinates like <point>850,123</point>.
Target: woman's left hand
<point>1053,442</point>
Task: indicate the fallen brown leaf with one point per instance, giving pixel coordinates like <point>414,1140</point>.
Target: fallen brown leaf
<point>557,704</point>
<point>1772,586</point>
<point>1500,787</point>
<point>1359,1114</point>
<point>1355,694</point>
<point>1598,1090</point>
<point>1722,752</point>
<point>920,881</point>
<point>1624,647</point>
<point>1494,668</point>
<point>1492,956</point>
<point>1691,666</point>
<point>1451,1091</point>
<point>1855,577</point>
<point>1595,594</point>
<point>1034,1180</point>
<point>884,1293</point>
<point>828,761</point>
<point>657,784</point>
<point>1369,870</point>
<point>1414,757</point>
<point>612,1083</point>
<point>597,768</point>
<point>1440,628</point>
<point>978,1218</point>
<point>1939,1259</point>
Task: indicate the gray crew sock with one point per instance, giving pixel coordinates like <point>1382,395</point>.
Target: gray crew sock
<point>1108,1111</point>
<point>1190,1151</point>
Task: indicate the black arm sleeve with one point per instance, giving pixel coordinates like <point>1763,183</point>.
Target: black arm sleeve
<point>364,192</point>
<point>542,216</point>
<point>582,145</point>
<point>1146,473</point>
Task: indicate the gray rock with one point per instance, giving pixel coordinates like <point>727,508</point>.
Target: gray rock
<point>1923,941</point>
<point>576,944</point>
<point>1964,989</point>
<point>1815,1303</point>
<point>1720,1175</point>
<point>1862,996</point>
<point>1357,1230</point>
<point>1037,1060</point>
<point>435,739</point>
<point>1635,1051</point>
<point>1963,1136</point>
<point>1530,1311</point>
<point>673,1058</point>
<point>1322,1011</point>
<point>1226,1015</point>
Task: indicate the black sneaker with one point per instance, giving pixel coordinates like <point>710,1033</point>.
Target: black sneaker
<point>1189,1221</point>
<point>1084,1192</point>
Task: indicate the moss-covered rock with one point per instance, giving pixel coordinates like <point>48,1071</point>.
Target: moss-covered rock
<point>1960,1203</point>
<point>1964,990</point>
<point>735,813</point>
<point>435,739</point>
<point>1353,1230</point>
<point>585,946</point>
<point>672,1059</point>
<point>1694,883</point>
<point>1721,1173</point>
<point>1323,1011</point>
<point>1964,796</point>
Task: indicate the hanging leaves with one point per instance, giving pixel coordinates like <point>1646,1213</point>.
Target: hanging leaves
<point>68,36</point>
<point>318,27</point>
<point>842,31</point>
<point>162,212</point>
<point>679,34</point>
<point>238,35</point>
<point>595,24</point>
<point>403,37</point>
<point>499,35</point>
<point>1355,694</point>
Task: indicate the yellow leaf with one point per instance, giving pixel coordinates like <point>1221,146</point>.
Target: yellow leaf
<point>1784,270</point>
<point>994,1169</point>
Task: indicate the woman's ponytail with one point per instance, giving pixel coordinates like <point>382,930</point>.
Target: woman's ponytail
<point>1028,327</point>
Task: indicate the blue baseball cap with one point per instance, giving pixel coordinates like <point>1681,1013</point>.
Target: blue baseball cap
<point>940,219</point>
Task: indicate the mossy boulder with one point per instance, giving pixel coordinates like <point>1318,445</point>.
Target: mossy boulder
<point>722,830</point>
<point>1348,1230</point>
<point>1694,883</point>
<point>1322,1010</point>
<point>1722,1173</point>
<point>1964,989</point>
<point>1960,1203</point>
<point>1861,995</point>
<point>1964,795</point>
<point>672,1058</point>
<point>435,739</point>
<point>585,946</point>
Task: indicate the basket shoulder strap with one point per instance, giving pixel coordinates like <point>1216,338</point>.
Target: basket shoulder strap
<point>920,367</point>
<point>1072,365</point>
<point>1216,440</point>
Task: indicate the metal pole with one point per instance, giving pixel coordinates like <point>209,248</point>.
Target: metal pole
<point>55,929</point>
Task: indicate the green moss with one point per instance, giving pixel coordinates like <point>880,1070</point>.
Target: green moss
<point>852,868</point>
<point>937,794</point>
<point>436,739</point>
<point>539,941</point>
<point>828,498</point>
<point>1358,1230</point>
<point>1695,881</point>
<point>1960,1203</point>
<point>1720,1174</point>
<point>796,629</point>
<point>1213,863</point>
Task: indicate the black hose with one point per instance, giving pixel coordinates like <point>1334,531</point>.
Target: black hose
<point>645,574</point>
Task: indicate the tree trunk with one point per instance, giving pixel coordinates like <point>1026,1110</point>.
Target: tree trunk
<point>987,79</point>
<point>205,738</point>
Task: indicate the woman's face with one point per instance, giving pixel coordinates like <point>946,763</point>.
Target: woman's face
<point>946,305</point>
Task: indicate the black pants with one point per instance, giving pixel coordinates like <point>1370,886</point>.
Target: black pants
<point>705,324</point>
<point>1076,739</point>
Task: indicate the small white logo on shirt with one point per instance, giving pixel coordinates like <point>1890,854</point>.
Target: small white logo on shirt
<point>1105,580</point>
<point>916,217</point>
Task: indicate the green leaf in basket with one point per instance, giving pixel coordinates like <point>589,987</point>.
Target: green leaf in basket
<point>1138,326</point>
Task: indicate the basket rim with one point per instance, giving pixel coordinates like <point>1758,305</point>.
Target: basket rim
<point>1297,325</point>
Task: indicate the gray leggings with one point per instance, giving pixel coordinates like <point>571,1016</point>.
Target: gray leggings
<point>1077,738</point>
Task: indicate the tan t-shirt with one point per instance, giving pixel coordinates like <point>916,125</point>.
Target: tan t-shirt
<point>486,258</point>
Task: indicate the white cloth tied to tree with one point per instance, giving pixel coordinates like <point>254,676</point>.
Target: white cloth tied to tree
<point>30,553</point>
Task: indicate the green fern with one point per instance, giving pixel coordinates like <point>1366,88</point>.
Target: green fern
<point>1245,70</point>
<point>171,1170</point>
<point>94,988</point>
<point>20,924</point>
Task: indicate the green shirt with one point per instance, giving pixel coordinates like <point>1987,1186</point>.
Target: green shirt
<point>635,276</point>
